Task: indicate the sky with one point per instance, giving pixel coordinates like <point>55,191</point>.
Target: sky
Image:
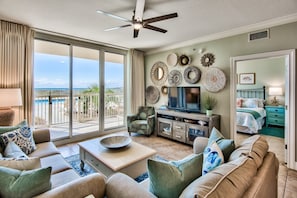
<point>52,71</point>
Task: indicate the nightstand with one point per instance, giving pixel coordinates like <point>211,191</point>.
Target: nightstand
<point>275,115</point>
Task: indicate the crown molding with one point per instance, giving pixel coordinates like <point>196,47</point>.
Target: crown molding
<point>232,32</point>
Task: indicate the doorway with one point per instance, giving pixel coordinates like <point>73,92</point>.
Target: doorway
<point>289,56</point>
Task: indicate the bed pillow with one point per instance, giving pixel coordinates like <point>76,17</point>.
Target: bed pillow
<point>168,179</point>
<point>25,184</point>
<point>250,103</point>
<point>23,137</point>
<point>212,158</point>
<point>239,102</point>
<point>226,145</point>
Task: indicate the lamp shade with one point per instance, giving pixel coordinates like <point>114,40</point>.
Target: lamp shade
<point>10,97</point>
<point>275,91</point>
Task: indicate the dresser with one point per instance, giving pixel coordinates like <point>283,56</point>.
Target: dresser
<point>275,115</point>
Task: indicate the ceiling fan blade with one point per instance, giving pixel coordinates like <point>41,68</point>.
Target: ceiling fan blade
<point>135,34</point>
<point>155,28</point>
<point>139,10</point>
<point>116,28</point>
<point>113,16</point>
<point>160,18</point>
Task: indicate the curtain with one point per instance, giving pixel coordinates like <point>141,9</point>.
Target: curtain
<point>137,80</point>
<point>16,63</point>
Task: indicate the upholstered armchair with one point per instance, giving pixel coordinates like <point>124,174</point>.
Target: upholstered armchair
<point>143,122</point>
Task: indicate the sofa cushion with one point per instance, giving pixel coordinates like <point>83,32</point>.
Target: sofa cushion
<point>226,145</point>
<point>212,157</point>
<point>63,177</point>
<point>22,164</point>
<point>14,151</point>
<point>23,137</point>
<point>168,179</point>
<point>44,149</point>
<point>255,146</point>
<point>25,184</point>
<point>231,179</point>
<point>57,162</point>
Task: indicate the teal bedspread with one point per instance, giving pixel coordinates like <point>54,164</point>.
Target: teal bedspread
<point>254,113</point>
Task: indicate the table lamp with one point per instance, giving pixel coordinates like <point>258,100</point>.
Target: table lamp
<point>9,98</point>
<point>275,91</point>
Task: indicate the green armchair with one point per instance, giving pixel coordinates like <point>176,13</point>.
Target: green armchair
<point>143,122</point>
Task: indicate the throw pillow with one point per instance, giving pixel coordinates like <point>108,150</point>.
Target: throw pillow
<point>24,184</point>
<point>14,151</point>
<point>226,145</point>
<point>21,164</point>
<point>23,137</point>
<point>4,129</point>
<point>168,179</point>
<point>212,157</point>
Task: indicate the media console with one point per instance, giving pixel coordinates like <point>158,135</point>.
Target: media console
<point>185,127</point>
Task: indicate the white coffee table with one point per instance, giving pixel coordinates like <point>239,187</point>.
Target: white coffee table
<point>131,160</point>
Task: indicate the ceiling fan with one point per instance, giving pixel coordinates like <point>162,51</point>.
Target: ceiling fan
<point>137,19</point>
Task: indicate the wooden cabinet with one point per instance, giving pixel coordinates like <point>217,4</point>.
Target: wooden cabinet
<point>185,127</point>
<point>275,115</point>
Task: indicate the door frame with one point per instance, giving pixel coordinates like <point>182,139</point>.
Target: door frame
<point>290,75</point>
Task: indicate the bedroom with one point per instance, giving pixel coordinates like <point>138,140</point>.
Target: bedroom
<point>264,75</point>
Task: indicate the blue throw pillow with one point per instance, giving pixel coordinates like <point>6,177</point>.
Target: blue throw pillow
<point>212,157</point>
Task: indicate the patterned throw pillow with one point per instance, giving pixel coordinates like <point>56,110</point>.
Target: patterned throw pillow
<point>212,157</point>
<point>23,137</point>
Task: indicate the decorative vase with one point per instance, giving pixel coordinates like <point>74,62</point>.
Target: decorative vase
<point>209,112</point>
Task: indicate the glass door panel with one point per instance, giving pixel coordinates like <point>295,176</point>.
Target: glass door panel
<point>51,82</point>
<point>85,80</point>
<point>114,90</point>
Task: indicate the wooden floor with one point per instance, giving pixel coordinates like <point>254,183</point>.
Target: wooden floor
<point>171,150</point>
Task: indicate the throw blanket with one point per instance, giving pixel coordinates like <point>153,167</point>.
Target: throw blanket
<point>252,112</point>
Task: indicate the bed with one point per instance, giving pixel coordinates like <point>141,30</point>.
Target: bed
<point>250,111</point>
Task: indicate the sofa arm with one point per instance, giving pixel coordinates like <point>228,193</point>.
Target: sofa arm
<point>41,135</point>
<point>92,184</point>
<point>199,144</point>
<point>121,185</point>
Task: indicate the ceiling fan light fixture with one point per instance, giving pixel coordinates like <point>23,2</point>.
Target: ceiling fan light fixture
<point>137,26</point>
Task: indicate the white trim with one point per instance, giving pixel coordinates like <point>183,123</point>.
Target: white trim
<point>290,101</point>
<point>232,32</point>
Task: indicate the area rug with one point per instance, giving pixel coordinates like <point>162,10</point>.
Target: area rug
<point>74,161</point>
<point>273,131</point>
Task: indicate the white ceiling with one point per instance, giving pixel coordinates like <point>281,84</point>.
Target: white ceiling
<point>197,19</point>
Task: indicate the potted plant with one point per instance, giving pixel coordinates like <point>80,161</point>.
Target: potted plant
<point>209,104</point>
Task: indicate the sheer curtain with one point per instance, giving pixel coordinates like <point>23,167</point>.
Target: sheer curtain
<point>137,83</point>
<point>16,63</point>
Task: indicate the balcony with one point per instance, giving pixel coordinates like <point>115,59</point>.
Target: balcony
<point>53,111</point>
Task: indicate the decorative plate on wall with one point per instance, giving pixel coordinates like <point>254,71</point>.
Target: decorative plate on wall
<point>214,79</point>
<point>192,74</point>
<point>175,78</point>
<point>172,59</point>
<point>207,59</point>
<point>152,94</point>
<point>159,73</point>
<point>184,60</point>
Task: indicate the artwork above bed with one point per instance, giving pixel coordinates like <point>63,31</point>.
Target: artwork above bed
<point>250,111</point>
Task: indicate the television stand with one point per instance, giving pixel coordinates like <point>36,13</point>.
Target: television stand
<point>185,127</point>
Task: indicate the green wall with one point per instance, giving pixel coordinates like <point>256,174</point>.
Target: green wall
<point>281,38</point>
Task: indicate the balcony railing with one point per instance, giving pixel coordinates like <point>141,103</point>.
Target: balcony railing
<point>55,109</point>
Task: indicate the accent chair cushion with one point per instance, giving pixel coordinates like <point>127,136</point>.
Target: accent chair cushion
<point>212,158</point>
<point>226,145</point>
<point>24,184</point>
<point>168,179</point>
<point>23,137</point>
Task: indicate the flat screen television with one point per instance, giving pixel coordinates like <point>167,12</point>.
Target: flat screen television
<point>185,99</point>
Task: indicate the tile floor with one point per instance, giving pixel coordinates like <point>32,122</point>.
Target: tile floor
<point>170,150</point>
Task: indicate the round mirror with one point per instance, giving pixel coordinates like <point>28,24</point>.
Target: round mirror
<point>159,73</point>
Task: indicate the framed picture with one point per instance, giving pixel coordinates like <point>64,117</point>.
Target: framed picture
<point>247,78</point>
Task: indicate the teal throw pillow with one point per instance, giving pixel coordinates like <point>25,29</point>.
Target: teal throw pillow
<point>168,179</point>
<point>226,145</point>
<point>23,137</point>
<point>212,158</point>
<point>24,184</point>
<point>4,129</point>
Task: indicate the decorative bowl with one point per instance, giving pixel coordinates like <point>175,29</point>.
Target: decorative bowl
<point>114,142</point>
